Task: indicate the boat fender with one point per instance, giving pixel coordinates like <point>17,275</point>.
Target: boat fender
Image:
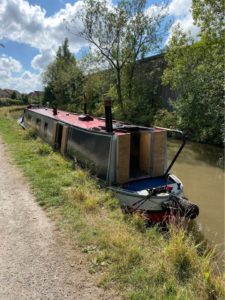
<point>20,121</point>
<point>181,206</point>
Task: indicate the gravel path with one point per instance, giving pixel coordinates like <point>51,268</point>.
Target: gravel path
<point>34,262</point>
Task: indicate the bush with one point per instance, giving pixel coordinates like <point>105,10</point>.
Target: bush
<point>164,118</point>
<point>9,102</point>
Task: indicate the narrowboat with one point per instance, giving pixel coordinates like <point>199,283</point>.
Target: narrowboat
<point>130,159</point>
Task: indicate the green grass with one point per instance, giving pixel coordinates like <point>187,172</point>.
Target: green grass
<point>140,263</point>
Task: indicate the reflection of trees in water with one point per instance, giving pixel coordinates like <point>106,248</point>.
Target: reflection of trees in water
<point>196,153</point>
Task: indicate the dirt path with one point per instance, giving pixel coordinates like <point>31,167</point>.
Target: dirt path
<point>33,264</point>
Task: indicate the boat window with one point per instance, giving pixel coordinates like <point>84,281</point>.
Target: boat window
<point>38,122</point>
<point>46,127</point>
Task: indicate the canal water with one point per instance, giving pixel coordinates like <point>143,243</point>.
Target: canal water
<point>200,168</point>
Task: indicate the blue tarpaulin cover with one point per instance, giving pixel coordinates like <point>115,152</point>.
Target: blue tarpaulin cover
<point>148,183</point>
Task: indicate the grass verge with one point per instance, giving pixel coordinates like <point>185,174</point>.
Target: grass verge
<point>142,264</point>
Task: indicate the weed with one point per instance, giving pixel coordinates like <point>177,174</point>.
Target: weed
<point>44,149</point>
<point>137,221</point>
<point>31,134</point>
<point>89,249</point>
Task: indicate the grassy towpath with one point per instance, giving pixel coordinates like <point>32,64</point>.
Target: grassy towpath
<point>34,262</point>
<point>121,253</point>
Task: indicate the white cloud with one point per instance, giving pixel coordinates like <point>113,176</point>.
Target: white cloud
<point>187,25</point>
<point>27,23</point>
<point>155,10</point>
<point>9,64</point>
<point>12,76</point>
<point>41,61</point>
<point>23,22</point>
<point>24,83</point>
<point>180,7</point>
<point>181,11</point>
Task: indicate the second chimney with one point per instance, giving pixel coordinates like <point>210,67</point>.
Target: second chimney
<point>108,114</point>
<point>55,111</point>
<point>85,103</point>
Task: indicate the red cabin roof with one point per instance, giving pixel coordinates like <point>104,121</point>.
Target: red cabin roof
<point>73,119</point>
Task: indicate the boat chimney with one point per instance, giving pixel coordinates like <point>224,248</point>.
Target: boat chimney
<point>55,112</point>
<point>85,104</point>
<point>108,113</point>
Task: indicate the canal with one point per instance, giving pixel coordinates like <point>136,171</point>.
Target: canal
<point>200,168</point>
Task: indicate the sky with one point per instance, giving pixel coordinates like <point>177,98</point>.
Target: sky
<point>32,30</point>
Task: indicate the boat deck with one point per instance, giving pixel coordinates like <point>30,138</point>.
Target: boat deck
<point>147,183</point>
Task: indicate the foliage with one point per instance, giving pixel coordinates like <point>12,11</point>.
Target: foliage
<point>63,78</point>
<point>196,72</point>
<point>139,263</point>
<point>96,85</point>
<point>209,16</point>
<point>9,102</point>
<point>43,149</point>
<point>24,99</point>
<point>164,118</point>
<point>13,96</point>
<point>121,35</point>
<point>146,91</point>
<point>31,133</point>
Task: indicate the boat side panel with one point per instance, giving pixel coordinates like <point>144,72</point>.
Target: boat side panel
<point>43,124</point>
<point>91,149</point>
<point>133,200</point>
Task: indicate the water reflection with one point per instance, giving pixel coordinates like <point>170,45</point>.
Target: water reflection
<point>200,168</point>
<point>196,153</point>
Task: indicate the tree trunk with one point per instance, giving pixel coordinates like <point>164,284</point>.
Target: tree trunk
<point>130,81</point>
<point>118,88</point>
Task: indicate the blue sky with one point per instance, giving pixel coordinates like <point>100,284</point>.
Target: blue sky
<point>32,30</point>
<point>51,6</point>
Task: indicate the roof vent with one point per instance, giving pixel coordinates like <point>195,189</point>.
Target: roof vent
<point>85,118</point>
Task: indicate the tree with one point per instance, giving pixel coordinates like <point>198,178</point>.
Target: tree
<point>147,91</point>
<point>25,99</point>
<point>63,78</point>
<point>13,95</point>
<point>48,97</point>
<point>121,34</point>
<point>196,72</point>
<point>209,16</point>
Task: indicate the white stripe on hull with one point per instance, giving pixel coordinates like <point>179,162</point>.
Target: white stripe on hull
<point>129,198</point>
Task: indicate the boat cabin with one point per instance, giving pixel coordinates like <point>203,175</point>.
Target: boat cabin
<point>116,152</point>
